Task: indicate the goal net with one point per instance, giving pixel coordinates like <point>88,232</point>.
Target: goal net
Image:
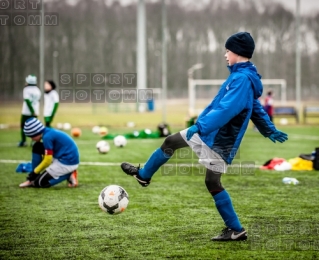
<point>151,99</point>
<point>202,91</point>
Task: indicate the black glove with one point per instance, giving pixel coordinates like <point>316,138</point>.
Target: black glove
<point>32,176</point>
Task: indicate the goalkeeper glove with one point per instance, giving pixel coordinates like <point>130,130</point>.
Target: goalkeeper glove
<point>191,131</point>
<point>278,136</point>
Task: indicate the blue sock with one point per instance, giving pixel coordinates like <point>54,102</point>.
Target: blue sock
<point>60,179</point>
<point>226,210</point>
<point>156,160</point>
<point>36,160</point>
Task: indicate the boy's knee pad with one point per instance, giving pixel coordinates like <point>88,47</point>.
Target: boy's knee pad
<point>168,144</point>
<point>173,142</point>
<point>212,181</point>
<point>38,148</point>
<point>43,180</point>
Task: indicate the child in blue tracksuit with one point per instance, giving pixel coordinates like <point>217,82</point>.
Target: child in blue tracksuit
<point>217,134</point>
<point>54,160</point>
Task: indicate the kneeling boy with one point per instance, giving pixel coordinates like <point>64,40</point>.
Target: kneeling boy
<point>54,160</point>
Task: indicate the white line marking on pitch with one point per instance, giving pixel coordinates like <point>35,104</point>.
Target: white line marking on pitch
<point>108,163</point>
<point>81,163</point>
<point>290,136</point>
<point>82,142</point>
<point>88,163</point>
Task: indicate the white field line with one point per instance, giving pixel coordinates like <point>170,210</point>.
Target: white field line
<point>81,163</point>
<point>93,163</point>
<point>104,163</point>
<point>77,142</point>
<point>297,137</point>
<point>304,137</point>
<point>291,137</point>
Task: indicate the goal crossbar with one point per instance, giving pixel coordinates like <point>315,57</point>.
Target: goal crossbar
<point>193,83</point>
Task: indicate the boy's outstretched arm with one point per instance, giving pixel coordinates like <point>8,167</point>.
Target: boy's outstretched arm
<point>261,120</point>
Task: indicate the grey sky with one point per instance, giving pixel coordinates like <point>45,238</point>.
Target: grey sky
<point>306,6</point>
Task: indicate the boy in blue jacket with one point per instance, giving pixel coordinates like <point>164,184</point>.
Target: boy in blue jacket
<point>54,160</point>
<point>217,134</point>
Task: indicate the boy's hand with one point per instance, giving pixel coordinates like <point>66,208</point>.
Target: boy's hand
<point>191,131</point>
<point>278,136</point>
<point>32,176</point>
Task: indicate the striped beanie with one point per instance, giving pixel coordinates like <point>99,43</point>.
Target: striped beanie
<point>33,127</point>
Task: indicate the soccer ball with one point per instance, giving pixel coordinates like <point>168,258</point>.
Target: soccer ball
<point>59,125</point>
<point>113,199</point>
<point>148,131</point>
<point>96,129</point>
<point>130,124</point>
<point>283,121</point>
<point>103,131</point>
<point>76,132</point>
<point>120,141</point>
<point>66,126</point>
<point>103,147</point>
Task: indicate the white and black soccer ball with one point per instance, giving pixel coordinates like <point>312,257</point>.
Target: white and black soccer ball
<point>113,199</point>
<point>96,129</point>
<point>120,141</point>
<point>103,147</point>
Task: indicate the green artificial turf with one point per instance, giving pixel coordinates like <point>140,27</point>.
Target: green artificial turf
<point>174,217</point>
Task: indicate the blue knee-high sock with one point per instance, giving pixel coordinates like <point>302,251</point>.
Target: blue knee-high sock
<point>156,160</point>
<point>36,160</point>
<point>60,179</point>
<point>226,210</point>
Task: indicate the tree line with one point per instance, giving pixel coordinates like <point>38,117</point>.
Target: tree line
<point>94,37</point>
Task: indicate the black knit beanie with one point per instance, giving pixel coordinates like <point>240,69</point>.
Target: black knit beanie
<point>241,43</point>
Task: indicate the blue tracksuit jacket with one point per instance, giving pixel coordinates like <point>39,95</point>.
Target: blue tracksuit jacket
<point>61,146</point>
<point>223,123</point>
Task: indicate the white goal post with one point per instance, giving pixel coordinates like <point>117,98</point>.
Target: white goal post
<point>129,103</point>
<point>193,83</point>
